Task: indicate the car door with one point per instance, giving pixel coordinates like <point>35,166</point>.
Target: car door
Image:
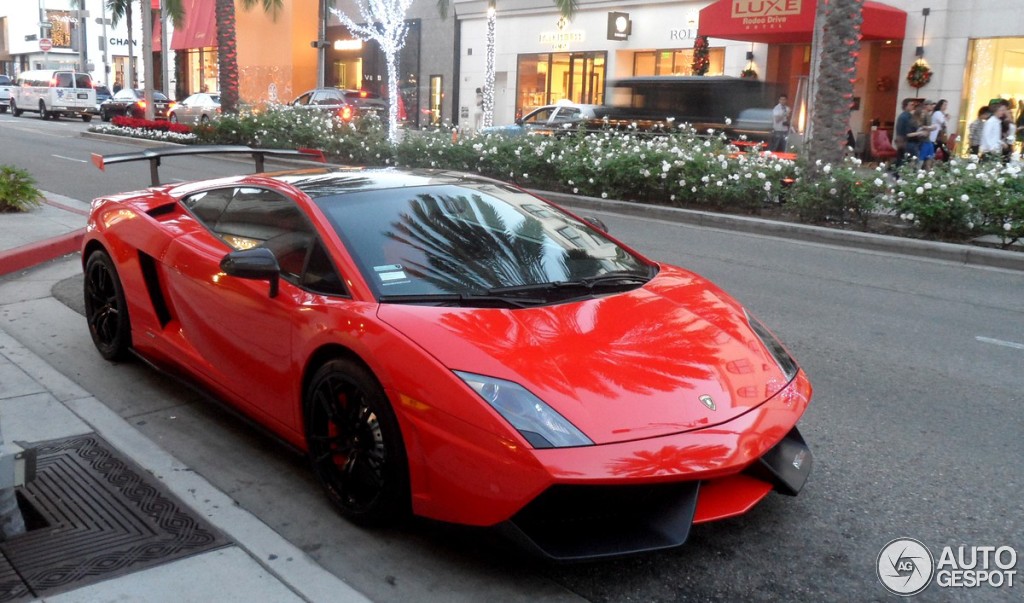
<point>243,334</point>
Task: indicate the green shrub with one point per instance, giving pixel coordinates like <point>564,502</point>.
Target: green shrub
<point>845,193</point>
<point>18,190</point>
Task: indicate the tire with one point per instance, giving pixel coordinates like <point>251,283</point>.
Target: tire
<point>43,113</point>
<point>205,119</point>
<point>104,115</point>
<point>355,444</point>
<point>3,108</point>
<point>14,109</point>
<point>105,307</point>
<point>86,117</point>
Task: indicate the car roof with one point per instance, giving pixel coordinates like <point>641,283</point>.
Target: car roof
<point>333,181</point>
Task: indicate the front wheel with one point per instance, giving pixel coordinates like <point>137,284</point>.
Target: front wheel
<point>355,444</point>
<point>43,113</point>
<point>86,117</point>
<point>14,108</point>
<point>105,307</point>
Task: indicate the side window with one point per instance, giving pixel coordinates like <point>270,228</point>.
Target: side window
<point>207,206</point>
<point>320,275</point>
<point>566,114</point>
<point>304,99</point>
<point>64,80</point>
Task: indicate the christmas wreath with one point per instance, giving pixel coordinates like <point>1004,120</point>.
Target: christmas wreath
<point>749,73</point>
<point>919,74</point>
<point>701,56</point>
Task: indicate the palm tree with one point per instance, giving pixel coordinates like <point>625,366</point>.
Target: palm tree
<point>839,22</point>
<point>567,8</point>
<point>227,49</point>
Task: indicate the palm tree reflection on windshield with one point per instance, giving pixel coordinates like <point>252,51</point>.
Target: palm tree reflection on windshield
<point>464,246</point>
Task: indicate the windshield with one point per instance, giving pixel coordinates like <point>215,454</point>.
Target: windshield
<point>472,240</point>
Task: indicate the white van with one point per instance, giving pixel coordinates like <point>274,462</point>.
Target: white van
<point>53,93</point>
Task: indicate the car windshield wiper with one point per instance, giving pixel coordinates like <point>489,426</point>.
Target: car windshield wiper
<point>610,280</point>
<point>486,300</point>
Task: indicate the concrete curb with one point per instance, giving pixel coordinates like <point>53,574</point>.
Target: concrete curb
<point>33,254</point>
<point>963,254</point>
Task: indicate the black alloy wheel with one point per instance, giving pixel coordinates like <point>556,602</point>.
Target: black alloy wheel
<point>105,308</point>
<point>355,444</point>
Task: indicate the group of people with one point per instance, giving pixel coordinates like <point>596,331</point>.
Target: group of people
<point>920,132</point>
<point>992,135</point>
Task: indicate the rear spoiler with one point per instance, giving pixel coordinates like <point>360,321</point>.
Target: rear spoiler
<point>154,155</point>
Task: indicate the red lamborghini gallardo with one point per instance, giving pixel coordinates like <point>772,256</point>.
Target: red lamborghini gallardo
<point>454,347</point>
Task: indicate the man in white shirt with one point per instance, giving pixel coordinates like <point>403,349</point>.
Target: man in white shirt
<point>992,134</point>
<point>780,125</point>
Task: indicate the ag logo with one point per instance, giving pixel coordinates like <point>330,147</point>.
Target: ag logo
<point>905,567</point>
<point>707,401</point>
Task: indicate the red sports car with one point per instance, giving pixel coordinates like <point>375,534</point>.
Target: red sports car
<point>454,347</point>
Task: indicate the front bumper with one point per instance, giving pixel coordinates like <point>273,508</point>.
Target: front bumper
<point>576,522</point>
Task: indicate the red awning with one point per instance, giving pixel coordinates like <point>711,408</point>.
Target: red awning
<point>790,21</point>
<point>200,28</point>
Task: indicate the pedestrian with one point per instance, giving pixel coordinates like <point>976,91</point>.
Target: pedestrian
<point>974,130</point>
<point>938,135</point>
<point>478,113</point>
<point>991,146</point>
<point>1009,129</point>
<point>922,121</point>
<point>906,146</point>
<point>781,115</point>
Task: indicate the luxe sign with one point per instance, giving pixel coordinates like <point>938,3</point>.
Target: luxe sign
<point>765,14</point>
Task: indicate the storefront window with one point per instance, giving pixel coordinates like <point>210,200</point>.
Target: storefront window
<point>547,78</point>
<point>995,70</point>
<point>62,28</point>
<point>676,62</point>
<point>201,71</point>
<point>436,97</point>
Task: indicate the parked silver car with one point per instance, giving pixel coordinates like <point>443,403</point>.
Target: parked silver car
<point>198,108</point>
<point>549,119</point>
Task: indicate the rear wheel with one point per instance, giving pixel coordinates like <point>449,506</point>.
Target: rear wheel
<point>105,308</point>
<point>86,117</point>
<point>3,108</point>
<point>355,444</point>
<point>205,119</point>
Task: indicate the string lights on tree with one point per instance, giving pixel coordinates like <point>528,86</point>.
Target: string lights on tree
<point>488,100</point>
<point>384,24</point>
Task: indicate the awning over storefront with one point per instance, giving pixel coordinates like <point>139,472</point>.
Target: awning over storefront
<point>790,21</point>
<point>200,29</point>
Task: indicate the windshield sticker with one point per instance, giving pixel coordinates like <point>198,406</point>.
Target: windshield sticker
<point>390,273</point>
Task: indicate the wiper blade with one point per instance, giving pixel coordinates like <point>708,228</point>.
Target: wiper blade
<point>462,299</point>
<point>609,280</point>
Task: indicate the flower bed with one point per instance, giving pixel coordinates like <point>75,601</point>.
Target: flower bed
<point>954,201</point>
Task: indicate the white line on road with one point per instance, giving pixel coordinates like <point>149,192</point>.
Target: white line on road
<point>70,159</point>
<point>1008,344</point>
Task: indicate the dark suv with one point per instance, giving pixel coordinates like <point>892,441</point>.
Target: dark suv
<point>346,104</point>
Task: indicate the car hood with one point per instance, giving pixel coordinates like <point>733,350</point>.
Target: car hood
<point>620,367</point>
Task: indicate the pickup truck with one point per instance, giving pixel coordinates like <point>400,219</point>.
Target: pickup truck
<point>5,93</point>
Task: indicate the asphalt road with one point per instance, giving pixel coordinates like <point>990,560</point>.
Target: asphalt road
<point>916,422</point>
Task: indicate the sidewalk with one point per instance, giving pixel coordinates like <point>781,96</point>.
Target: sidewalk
<point>249,562</point>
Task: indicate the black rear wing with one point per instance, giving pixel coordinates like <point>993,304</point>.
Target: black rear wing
<point>154,155</point>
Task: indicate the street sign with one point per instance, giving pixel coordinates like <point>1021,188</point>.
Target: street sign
<point>45,44</point>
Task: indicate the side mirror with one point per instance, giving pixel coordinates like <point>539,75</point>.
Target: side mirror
<point>596,223</point>
<point>257,264</point>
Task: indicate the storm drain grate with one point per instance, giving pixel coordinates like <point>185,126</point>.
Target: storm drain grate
<point>102,516</point>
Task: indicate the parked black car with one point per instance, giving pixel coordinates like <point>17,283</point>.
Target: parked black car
<point>345,104</point>
<point>131,103</point>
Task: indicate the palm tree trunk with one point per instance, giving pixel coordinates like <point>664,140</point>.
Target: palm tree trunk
<point>839,48</point>
<point>129,76</point>
<point>227,56</point>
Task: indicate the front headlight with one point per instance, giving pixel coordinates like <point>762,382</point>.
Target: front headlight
<point>779,353</point>
<point>537,422</point>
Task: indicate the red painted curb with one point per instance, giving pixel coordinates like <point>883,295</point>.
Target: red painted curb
<point>33,254</point>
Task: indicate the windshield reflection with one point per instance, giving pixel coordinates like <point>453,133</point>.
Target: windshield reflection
<point>449,239</point>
